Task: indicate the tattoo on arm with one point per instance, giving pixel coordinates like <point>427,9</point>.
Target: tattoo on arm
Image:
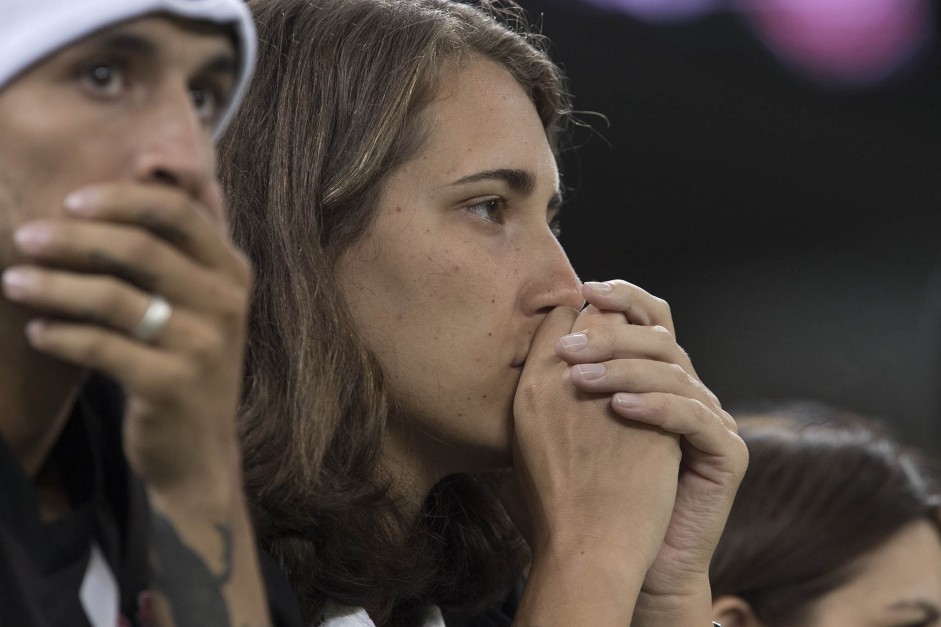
<point>193,592</point>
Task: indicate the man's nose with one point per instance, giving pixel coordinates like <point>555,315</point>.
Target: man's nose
<point>176,147</point>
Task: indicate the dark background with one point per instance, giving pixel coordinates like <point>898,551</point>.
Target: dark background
<point>795,228</point>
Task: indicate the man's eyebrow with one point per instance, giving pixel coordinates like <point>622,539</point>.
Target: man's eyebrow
<point>125,42</point>
<point>932,613</point>
<point>222,64</point>
<point>520,181</point>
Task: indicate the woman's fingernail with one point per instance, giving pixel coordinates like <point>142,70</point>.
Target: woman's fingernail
<point>18,281</point>
<point>627,401</point>
<point>574,342</point>
<point>601,288</point>
<point>590,372</point>
<point>32,236</point>
<point>80,202</point>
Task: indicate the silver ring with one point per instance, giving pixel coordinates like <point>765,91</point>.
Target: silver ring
<point>154,319</point>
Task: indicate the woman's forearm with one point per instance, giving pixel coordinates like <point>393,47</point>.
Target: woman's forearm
<point>692,606</point>
<point>579,587</point>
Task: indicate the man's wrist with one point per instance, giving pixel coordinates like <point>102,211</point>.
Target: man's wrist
<point>208,482</point>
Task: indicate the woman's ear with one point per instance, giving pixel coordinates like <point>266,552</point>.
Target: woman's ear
<point>732,611</point>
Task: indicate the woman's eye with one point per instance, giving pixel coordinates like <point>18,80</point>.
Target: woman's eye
<point>488,209</point>
<point>555,225</point>
<point>103,79</point>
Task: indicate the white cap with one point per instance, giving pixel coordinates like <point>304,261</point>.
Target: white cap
<point>32,29</point>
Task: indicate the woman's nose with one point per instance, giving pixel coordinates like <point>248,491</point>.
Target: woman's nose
<point>553,281</point>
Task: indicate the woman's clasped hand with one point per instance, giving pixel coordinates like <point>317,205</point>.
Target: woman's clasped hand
<point>609,413</point>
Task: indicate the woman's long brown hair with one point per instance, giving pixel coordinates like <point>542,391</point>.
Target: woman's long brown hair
<point>336,105</point>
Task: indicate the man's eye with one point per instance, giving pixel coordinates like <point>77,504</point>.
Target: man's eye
<point>207,103</point>
<point>103,79</point>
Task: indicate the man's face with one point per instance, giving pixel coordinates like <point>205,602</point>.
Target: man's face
<point>134,102</point>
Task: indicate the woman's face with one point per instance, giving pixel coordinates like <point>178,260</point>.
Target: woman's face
<point>898,585</point>
<point>460,267</point>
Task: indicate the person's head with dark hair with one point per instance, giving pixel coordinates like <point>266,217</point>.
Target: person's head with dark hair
<point>834,524</point>
<point>392,175</point>
<point>123,316</point>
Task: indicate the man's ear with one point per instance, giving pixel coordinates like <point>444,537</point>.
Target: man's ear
<point>733,611</point>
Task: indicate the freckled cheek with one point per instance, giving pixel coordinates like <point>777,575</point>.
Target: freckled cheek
<point>458,293</point>
<point>463,292</point>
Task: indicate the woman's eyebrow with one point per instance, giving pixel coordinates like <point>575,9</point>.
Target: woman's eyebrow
<point>932,613</point>
<point>520,181</point>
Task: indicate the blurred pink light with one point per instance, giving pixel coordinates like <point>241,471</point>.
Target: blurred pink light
<point>849,41</point>
<point>660,10</point>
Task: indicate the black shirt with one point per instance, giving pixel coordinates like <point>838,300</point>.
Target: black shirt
<point>43,565</point>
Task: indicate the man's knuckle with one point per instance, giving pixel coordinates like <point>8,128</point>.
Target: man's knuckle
<point>232,305</point>
<point>93,348</point>
<point>140,247</point>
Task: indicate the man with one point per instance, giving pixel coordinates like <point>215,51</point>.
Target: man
<point>116,260</point>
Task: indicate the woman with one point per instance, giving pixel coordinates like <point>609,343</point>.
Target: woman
<point>835,524</point>
<point>416,328</point>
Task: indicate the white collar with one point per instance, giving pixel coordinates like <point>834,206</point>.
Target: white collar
<point>335,615</point>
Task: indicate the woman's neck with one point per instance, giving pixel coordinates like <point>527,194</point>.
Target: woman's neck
<point>412,469</point>
<point>414,462</point>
